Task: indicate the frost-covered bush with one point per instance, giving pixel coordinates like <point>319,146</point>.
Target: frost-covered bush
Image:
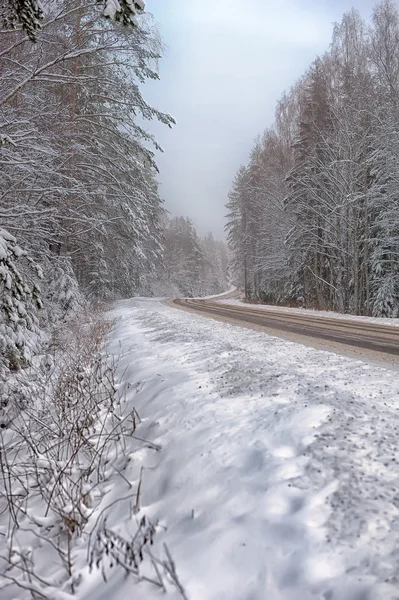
<point>61,459</point>
<point>19,302</point>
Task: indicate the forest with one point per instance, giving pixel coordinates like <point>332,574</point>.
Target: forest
<point>82,225</point>
<point>82,219</point>
<point>146,451</point>
<point>313,218</point>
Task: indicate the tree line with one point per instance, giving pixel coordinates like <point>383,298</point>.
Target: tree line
<point>313,218</point>
<point>81,216</point>
<point>79,203</point>
<point>192,265</point>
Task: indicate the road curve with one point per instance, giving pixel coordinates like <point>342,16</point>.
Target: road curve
<point>352,333</point>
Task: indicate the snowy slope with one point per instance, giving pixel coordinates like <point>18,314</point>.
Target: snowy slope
<point>278,472</point>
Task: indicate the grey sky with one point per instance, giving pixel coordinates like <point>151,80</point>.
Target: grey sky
<point>226,64</point>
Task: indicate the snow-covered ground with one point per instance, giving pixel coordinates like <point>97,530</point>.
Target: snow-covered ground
<point>278,474</point>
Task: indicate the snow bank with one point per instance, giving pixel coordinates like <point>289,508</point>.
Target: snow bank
<point>218,463</point>
<point>276,477</point>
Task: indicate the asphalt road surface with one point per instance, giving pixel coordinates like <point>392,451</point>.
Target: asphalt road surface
<point>356,334</point>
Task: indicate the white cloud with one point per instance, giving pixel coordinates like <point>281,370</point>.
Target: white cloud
<point>229,62</point>
<point>281,21</point>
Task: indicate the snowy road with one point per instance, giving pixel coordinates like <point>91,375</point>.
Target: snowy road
<point>278,477</point>
<point>360,333</point>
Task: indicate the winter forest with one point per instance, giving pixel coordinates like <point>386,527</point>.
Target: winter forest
<point>313,216</point>
<point>81,215</point>
<point>82,223</point>
<point>127,423</point>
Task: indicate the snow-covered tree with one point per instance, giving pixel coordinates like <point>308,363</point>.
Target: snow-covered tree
<point>78,187</point>
<point>78,163</point>
<point>316,221</point>
<point>29,14</point>
<point>190,266</point>
<point>19,301</point>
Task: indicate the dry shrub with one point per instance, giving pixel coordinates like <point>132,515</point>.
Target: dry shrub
<point>55,455</point>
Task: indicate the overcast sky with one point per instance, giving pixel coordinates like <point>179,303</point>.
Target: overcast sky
<point>226,64</point>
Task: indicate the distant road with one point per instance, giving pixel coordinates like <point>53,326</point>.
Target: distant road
<point>352,333</point>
